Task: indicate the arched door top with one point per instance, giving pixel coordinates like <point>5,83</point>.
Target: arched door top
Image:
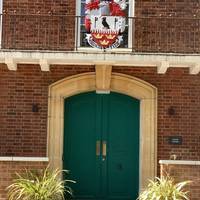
<point>131,86</point>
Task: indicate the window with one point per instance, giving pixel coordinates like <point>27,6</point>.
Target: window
<point>127,34</point>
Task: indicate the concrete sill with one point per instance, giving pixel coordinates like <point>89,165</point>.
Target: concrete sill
<point>25,159</point>
<point>179,162</point>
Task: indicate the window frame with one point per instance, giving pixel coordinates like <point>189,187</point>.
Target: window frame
<point>1,22</point>
<point>78,26</point>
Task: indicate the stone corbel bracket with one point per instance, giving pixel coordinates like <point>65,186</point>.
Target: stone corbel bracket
<point>103,78</point>
<point>162,68</point>
<point>11,63</point>
<point>44,65</point>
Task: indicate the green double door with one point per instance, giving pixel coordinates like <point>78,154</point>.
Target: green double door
<point>101,146</point>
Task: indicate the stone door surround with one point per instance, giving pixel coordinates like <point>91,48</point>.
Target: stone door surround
<point>104,81</point>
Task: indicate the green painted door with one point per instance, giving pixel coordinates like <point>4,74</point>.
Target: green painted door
<point>101,145</point>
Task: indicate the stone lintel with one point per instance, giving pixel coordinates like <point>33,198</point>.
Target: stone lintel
<point>46,58</point>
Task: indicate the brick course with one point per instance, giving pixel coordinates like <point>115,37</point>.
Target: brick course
<point>185,173</point>
<point>22,29</point>
<point>61,7</point>
<point>182,91</point>
<point>167,26</point>
<point>178,8</point>
<point>23,133</point>
<point>9,169</point>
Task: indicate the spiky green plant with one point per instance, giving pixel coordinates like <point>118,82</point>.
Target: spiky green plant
<point>45,185</point>
<point>165,189</point>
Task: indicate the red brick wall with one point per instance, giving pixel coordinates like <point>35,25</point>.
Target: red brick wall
<point>173,26</point>
<point>22,132</point>
<point>178,8</point>
<point>182,91</point>
<point>8,170</point>
<point>64,7</point>
<point>22,29</point>
<point>52,32</point>
<point>184,173</point>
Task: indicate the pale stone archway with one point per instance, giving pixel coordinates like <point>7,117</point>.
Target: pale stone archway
<point>145,92</point>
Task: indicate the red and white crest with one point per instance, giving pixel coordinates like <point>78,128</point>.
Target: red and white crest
<point>105,23</point>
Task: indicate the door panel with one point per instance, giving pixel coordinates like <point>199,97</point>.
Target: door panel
<point>123,149</point>
<point>81,134</point>
<point>113,119</point>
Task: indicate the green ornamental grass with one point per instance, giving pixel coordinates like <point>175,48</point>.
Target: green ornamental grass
<point>43,186</point>
<point>165,189</point>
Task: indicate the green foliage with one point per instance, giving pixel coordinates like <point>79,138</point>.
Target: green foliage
<point>165,189</point>
<point>43,185</point>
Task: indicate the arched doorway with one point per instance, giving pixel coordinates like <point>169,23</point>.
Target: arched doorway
<point>101,145</point>
<point>120,83</point>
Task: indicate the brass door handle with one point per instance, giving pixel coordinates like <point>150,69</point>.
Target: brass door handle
<point>98,143</point>
<point>104,149</point>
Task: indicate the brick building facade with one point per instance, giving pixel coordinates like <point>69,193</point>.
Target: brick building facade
<point>40,49</point>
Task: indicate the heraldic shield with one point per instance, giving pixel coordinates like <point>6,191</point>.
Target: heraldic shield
<point>105,22</point>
